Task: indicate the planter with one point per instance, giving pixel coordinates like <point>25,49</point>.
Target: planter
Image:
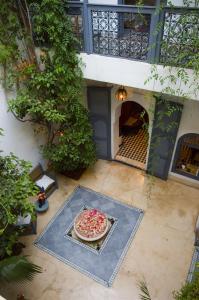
<point>75,174</point>
<point>17,248</point>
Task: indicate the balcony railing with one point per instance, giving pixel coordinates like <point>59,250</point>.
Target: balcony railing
<point>124,34</point>
<point>131,32</point>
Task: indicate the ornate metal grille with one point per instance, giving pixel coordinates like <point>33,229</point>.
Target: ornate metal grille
<point>179,38</point>
<point>121,34</point>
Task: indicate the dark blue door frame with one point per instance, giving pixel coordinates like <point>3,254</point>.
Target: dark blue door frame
<point>164,133</point>
<point>100,113</point>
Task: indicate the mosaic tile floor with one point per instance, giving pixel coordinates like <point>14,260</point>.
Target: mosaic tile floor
<point>134,147</point>
<point>161,250</point>
<point>100,264</point>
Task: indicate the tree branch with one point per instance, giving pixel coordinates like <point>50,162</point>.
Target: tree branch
<point>29,120</point>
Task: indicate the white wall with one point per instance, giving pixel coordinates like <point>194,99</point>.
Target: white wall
<point>18,137</point>
<point>126,72</point>
<point>181,3</point>
<point>114,2</point>
<point>110,2</point>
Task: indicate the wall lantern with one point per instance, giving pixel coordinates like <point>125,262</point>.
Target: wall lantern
<point>121,94</point>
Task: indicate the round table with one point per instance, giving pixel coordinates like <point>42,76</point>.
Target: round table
<point>91,225</point>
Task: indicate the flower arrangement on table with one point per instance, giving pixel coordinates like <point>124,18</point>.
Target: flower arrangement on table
<point>41,197</point>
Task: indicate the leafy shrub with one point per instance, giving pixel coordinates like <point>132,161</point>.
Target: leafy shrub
<point>189,291</point>
<point>16,188</point>
<point>73,148</point>
<point>50,88</point>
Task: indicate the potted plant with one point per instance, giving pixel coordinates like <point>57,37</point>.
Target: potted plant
<point>72,151</point>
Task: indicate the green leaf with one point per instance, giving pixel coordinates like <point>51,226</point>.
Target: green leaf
<point>144,291</point>
<point>18,269</point>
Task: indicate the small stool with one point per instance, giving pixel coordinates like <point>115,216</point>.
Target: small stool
<point>43,208</point>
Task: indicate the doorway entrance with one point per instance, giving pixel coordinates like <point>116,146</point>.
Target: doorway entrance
<point>133,130</point>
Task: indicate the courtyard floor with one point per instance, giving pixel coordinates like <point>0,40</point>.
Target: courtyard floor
<point>161,251</point>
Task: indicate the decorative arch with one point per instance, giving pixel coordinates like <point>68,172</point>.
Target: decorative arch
<point>132,108</point>
<point>119,106</point>
<point>186,159</point>
<point>130,139</point>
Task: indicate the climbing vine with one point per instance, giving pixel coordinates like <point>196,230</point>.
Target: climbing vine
<point>179,50</point>
<point>48,79</point>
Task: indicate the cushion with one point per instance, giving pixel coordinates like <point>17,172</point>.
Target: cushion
<point>23,220</point>
<point>131,121</point>
<point>44,182</point>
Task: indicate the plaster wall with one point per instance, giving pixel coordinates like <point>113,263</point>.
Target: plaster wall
<point>18,137</point>
<point>180,2</point>
<point>127,72</point>
<point>115,2</point>
<point>110,2</point>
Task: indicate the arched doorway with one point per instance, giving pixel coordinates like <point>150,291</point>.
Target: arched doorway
<point>186,159</point>
<point>133,130</point>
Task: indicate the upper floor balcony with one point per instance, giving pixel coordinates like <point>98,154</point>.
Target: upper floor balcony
<point>135,32</point>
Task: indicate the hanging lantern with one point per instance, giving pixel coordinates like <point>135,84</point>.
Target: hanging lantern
<point>121,94</point>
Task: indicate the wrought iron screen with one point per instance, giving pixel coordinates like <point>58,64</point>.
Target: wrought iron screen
<point>121,34</point>
<point>180,35</point>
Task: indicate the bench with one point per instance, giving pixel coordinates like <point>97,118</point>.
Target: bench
<point>45,179</point>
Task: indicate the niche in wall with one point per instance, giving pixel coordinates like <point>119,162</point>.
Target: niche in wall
<point>186,160</point>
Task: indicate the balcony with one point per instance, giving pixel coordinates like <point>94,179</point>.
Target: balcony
<point>132,32</point>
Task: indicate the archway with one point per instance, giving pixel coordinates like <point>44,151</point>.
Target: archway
<point>133,125</point>
<point>186,159</point>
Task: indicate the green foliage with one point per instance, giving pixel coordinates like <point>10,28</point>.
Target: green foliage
<point>17,269</point>
<point>179,52</point>
<point>9,32</point>
<point>16,188</point>
<point>144,291</point>
<point>72,148</point>
<point>50,95</point>
<point>189,291</point>
<point>1,131</point>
